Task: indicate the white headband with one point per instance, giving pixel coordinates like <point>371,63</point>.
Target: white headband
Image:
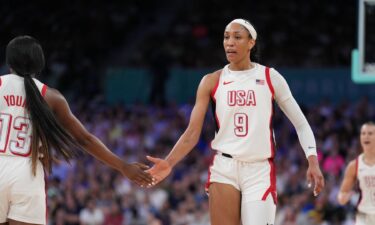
<point>248,27</point>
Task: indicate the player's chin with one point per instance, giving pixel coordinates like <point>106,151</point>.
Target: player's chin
<point>231,58</point>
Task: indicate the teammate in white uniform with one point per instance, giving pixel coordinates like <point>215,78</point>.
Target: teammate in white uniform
<point>34,118</point>
<point>362,170</point>
<point>241,183</point>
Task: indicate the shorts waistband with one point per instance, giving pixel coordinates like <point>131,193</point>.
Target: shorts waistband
<point>226,155</point>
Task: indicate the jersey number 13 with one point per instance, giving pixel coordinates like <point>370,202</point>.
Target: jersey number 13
<point>20,144</point>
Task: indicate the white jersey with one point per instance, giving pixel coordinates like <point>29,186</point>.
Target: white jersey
<point>243,107</point>
<point>15,124</point>
<point>366,178</point>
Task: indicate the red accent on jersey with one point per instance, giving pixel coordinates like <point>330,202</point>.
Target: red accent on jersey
<point>225,83</point>
<point>214,90</point>
<point>214,99</point>
<point>268,78</point>
<point>272,189</point>
<point>359,187</point>
<point>217,120</point>
<point>207,186</point>
<point>44,90</point>
<point>356,167</point>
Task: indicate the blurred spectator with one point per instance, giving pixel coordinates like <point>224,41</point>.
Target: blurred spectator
<point>91,214</point>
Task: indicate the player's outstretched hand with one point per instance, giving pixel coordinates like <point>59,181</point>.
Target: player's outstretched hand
<point>137,173</point>
<point>315,176</point>
<point>160,170</point>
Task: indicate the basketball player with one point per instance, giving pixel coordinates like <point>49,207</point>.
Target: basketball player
<point>34,119</point>
<point>362,170</point>
<point>241,181</point>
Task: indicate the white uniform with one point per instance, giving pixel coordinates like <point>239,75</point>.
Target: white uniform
<point>366,204</point>
<point>243,107</point>
<point>22,195</point>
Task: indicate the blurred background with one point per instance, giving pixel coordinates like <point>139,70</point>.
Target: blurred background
<point>130,70</point>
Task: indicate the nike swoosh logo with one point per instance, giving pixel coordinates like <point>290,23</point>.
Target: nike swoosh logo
<point>225,83</point>
<point>310,147</point>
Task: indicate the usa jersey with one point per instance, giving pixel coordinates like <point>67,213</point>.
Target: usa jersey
<point>15,123</point>
<point>243,108</point>
<point>366,178</point>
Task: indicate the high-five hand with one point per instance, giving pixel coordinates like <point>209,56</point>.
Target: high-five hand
<point>160,170</point>
<point>137,173</point>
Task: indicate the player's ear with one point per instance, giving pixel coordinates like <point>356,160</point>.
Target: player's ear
<point>250,44</point>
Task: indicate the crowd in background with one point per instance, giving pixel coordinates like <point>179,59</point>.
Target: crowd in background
<point>82,39</point>
<point>289,34</point>
<point>87,192</point>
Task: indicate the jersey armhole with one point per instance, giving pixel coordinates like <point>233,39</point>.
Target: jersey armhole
<point>356,167</point>
<point>269,83</point>
<point>213,92</point>
<point>44,90</point>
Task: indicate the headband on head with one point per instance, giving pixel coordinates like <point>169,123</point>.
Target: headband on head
<point>247,25</point>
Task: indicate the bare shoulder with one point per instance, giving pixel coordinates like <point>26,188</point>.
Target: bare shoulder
<point>353,164</point>
<point>210,80</point>
<point>53,97</point>
<point>352,167</point>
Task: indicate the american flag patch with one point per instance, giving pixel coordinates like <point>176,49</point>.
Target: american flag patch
<point>260,82</point>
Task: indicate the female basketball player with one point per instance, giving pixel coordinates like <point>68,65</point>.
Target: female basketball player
<point>362,170</point>
<point>242,183</point>
<point>33,120</point>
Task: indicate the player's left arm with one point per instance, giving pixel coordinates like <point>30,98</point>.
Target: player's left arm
<point>289,106</point>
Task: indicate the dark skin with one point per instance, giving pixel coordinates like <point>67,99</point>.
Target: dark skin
<point>59,106</point>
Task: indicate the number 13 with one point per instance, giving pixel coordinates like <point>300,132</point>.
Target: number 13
<point>21,145</point>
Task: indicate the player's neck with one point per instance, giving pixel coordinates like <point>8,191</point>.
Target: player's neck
<point>245,65</point>
<point>369,158</point>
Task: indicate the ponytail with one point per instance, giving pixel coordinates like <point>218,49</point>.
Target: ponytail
<point>25,56</point>
<point>47,132</point>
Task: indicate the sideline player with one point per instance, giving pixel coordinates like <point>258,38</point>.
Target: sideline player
<point>362,169</point>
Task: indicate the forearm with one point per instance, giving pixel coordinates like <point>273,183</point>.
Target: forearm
<point>183,146</point>
<point>343,197</point>
<point>307,139</point>
<point>97,149</point>
<point>304,132</point>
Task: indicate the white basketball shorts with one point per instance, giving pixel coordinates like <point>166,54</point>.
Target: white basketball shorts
<point>22,195</point>
<point>255,180</point>
<point>364,219</point>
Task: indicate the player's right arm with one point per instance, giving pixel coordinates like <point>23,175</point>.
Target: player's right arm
<point>348,182</point>
<point>190,137</point>
<point>90,143</point>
